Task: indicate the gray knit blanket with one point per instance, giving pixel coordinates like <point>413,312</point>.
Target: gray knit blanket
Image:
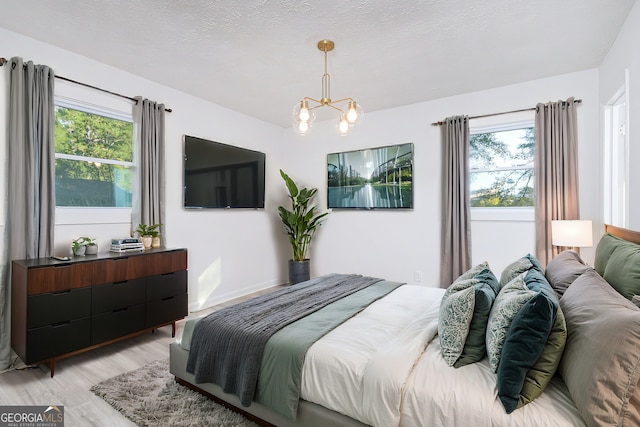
<point>227,345</point>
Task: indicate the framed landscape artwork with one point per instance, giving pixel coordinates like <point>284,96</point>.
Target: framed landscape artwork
<point>372,178</point>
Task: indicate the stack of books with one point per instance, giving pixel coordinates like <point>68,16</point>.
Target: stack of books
<point>126,245</point>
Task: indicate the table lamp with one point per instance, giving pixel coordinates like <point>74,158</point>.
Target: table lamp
<point>571,233</point>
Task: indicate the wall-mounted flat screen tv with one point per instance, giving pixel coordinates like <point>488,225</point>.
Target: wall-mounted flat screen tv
<point>218,175</point>
<point>373,178</point>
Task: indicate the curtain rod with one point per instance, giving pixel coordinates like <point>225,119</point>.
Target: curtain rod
<point>577,101</point>
<point>168,110</point>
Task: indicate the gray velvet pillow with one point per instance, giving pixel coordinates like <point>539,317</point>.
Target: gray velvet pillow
<point>601,360</point>
<point>563,270</point>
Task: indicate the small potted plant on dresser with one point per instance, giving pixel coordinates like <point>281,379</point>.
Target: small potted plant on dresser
<point>92,248</point>
<point>300,223</point>
<point>149,233</point>
<point>79,245</point>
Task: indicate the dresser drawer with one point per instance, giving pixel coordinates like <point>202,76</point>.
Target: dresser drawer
<point>166,310</point>
<point>113,296</point>
<point>59,278</point>
<point>107,326</point>
<point>166,285</point>
<point>57,339</point>
<point>53,308</point>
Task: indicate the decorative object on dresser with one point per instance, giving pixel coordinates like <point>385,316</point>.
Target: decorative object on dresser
<point>126,245</point>
<point>79,245</point>
<point>148,233</point>
<point>92,248</point>
<point>62,308</point>
<point>300,223</point>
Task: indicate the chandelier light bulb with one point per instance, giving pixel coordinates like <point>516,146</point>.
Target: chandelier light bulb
<point>352,113</point>
<point>343,126</point>
<point>303,114</point>
<point>303,127</point>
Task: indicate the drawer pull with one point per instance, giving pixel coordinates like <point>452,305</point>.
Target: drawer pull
<point>66,291</point>
<point>166,298</point>
<point>59,324</point>
<point>121,282</point>
<point>168,274</point>
<point>120,309</point>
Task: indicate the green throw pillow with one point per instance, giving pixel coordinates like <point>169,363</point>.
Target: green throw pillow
<point>605,248</point>
<point>623,270</point>
<point>526,338</point>
<point>464,312</point>
<point>540,374</point>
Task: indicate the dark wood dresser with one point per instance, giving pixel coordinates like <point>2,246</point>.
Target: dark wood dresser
<point>62,308</point>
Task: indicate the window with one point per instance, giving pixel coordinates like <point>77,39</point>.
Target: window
<point>94,156</point>
<point>501,167</point>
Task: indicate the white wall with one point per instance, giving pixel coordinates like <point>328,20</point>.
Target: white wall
<point>623,56</point>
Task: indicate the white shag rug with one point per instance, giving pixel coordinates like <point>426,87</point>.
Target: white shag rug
<point>149,396</point>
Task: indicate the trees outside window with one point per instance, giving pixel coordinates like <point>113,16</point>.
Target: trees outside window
<point>94,159</point>
<point>501,168</point>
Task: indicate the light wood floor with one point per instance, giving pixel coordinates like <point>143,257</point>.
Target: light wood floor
<point>74,376</point>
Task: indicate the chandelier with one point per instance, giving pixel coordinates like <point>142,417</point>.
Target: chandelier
<point>304,115</point>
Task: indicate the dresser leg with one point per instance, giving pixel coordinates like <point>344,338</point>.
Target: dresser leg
<point>173,330</point>
<point>52,366</point>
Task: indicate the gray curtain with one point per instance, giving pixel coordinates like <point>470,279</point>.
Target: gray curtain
<point>556,171</point>
<point>148,118</point>
<point>31,187</point>
<point>456,227</point>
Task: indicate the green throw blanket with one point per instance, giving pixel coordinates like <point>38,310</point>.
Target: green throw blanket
<point>280,375</point>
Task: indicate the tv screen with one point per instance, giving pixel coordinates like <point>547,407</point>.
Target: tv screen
<point>374,178</point>
<point>222,176</point>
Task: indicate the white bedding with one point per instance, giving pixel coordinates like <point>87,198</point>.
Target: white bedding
<point>383,367</point>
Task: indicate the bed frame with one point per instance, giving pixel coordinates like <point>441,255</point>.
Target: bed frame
<point>623,233</point>
<point>309,414</point>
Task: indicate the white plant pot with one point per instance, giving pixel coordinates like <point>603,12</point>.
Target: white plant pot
<point>80,250</point>
<point>146,241</point>
<point>91,249</point>
<point>155,242</point>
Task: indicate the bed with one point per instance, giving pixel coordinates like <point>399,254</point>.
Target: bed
<point>387,363</point>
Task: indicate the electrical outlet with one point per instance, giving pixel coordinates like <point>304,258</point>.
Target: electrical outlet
<point>417,276</point>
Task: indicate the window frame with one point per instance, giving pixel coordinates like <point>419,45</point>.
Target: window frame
<point>75,215</point>
<point>505,213</point>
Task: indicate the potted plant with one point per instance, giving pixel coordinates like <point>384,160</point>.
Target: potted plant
<point>79,245</point>
<point>91,248</point>
<point>300,223</point>
<point>147,233</point>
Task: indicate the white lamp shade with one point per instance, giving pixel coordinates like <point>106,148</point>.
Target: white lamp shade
<point>571,233</point>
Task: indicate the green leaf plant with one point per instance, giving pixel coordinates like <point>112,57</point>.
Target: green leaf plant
<point>302,221</point>
<point>148,230</point>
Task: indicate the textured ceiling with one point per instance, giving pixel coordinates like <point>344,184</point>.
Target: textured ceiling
<point>259,57</point>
